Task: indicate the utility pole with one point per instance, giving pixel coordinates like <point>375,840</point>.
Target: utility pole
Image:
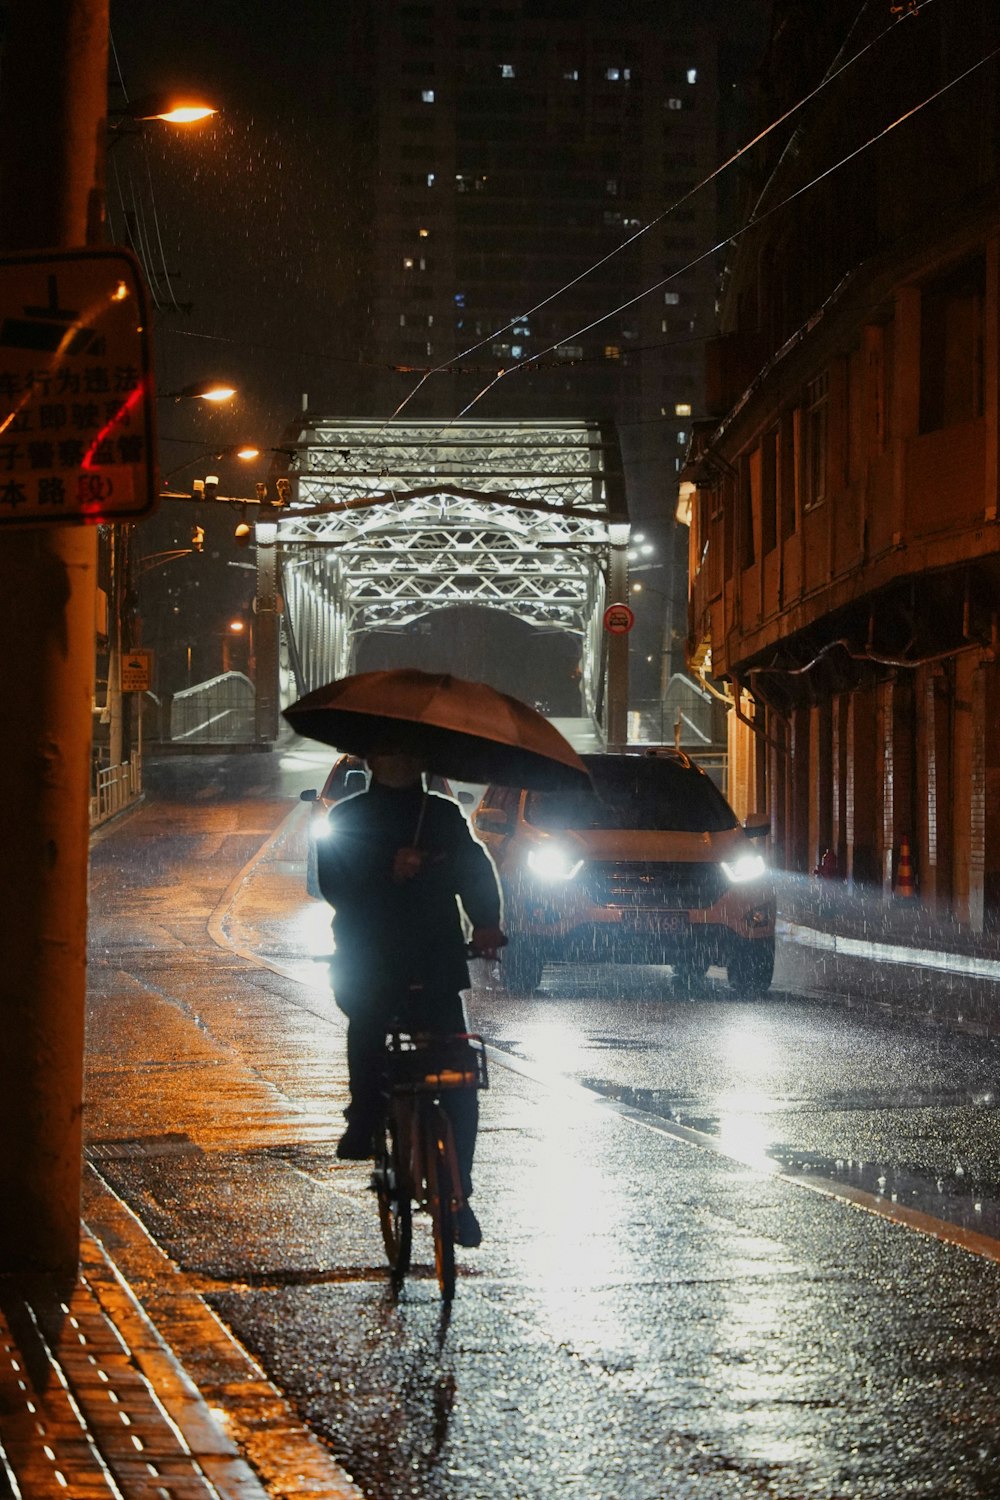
<point>53,103</point>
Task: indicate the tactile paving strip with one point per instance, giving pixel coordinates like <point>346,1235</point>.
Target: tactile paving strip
<point>76,1415</point>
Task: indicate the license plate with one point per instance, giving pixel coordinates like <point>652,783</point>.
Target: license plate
<point>636,918</point>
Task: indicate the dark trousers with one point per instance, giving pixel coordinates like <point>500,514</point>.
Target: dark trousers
<point>425,1011</point>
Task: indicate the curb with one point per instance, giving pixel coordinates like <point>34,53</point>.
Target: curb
<point>892,953</point>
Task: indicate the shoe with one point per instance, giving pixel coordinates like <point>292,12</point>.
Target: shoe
<point>467,1231</point>
<point>355,1144</point>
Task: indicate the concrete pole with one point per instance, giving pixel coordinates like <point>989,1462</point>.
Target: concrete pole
<point>53,101</point>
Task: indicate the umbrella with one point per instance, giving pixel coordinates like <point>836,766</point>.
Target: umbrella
<point>461,729</point>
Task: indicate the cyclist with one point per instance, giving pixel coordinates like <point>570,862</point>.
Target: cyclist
<point>395,859</point>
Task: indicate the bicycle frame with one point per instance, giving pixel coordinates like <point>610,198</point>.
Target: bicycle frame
<point>419,1162</point>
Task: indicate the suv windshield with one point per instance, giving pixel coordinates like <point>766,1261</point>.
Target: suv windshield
<point>635,792</point>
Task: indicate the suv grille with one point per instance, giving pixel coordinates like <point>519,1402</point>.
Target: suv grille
<point>685,886</point>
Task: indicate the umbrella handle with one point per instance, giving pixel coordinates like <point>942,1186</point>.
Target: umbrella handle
<point>420,821</point>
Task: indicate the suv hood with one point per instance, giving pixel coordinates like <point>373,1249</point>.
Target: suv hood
<point>646,844</point>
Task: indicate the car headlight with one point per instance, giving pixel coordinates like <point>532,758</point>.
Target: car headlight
<point>319,829</point>
<point>744,867</point>
<point>553,863</point>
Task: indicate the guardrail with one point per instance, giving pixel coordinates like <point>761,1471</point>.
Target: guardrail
<point>115,788</point>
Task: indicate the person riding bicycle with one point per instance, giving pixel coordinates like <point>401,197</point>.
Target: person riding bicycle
<point>394,861</point>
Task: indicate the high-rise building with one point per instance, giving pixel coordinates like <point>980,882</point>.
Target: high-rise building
<point>517,184</point>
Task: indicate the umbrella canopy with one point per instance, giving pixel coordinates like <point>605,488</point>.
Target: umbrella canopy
<point>461,729</point>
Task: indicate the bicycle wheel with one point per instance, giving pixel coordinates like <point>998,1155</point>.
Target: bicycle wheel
<point>394,1208</point>
<point>440,1194</point>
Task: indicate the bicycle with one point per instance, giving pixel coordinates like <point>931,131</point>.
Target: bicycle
<point>415,1157</point>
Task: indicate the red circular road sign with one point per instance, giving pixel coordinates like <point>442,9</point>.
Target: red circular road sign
<point>618,619</point>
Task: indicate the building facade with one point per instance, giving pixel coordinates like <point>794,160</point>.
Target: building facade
<point>844,551</point>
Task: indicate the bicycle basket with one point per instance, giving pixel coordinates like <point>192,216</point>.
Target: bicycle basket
<point>433,1063</point>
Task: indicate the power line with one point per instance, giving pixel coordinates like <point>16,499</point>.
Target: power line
<point>717,171</point>
<point>745,228</point>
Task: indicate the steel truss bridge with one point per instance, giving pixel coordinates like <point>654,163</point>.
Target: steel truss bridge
<point>388,523</point>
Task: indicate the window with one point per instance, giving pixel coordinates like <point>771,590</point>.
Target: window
<point>427,96</point>
<point>612,351</point>
<point>768,490</point>
<point>573,76</point>
<point>692,75</point>
<point>951,347</point>
<point>407,262</point>
<point>746,540</point>
<point>671,298</point>
<point>423,233</point>
<point>430,179</point>
<point>786,475</point>
<point>675,103</point>
<point>815,416</point>
<point>682,436</point>
<point>569,351</point>
<point>682,409</point>
<point>506,70</point>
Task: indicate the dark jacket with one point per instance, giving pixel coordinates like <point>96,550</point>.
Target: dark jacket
<point>391,935</point>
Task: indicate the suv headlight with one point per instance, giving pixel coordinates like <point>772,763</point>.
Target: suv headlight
<point>319,829</point>
<point>552,862</point>
<point>744,867</point>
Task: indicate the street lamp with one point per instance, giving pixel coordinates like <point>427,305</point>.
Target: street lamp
<point>201,390</point>
<point>170,108</point>
<point>246,453</point>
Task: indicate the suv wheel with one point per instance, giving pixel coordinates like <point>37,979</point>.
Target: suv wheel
<point>521,967</point>
<point>751,969</point>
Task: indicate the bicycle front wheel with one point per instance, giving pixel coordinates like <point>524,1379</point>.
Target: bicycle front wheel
<point>440,1196</point>
<point>394,1208</point>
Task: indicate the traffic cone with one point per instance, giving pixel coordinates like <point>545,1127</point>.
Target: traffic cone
<point>904,890</point>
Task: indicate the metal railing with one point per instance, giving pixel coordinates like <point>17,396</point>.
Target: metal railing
<point>115,787</point>
<point>221,711</point>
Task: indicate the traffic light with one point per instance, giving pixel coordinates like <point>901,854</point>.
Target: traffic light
<point>243,533</point>
<point>197,539</point>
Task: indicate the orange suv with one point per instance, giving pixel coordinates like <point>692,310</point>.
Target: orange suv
<point>650,866</point>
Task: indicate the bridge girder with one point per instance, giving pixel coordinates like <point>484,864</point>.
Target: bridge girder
<point>388,524</point>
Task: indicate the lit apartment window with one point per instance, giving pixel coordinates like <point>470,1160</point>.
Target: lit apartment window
<point>613,74</point>
<point>507,70</point>
<point>682,409</point>
<point>612,186</point>
<point>612,351</point>
<point>573,76</point>
<point>569,351</point>
<point>675,103</point>
<point>427,95</point>
<point>423,233</point>
<point>430,320</point>
<point>692,75</point>
<point>671,298</point>
<point>407,262</point>
<point>682,437</point>
<point>516,350</point>
<point>430,179</point>
<point>402,320</point>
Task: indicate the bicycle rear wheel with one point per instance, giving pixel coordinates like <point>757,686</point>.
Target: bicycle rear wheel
<point>394,1208</point>
<point>440,1195</point>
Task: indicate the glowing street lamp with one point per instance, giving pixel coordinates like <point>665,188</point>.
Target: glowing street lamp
<point>170,108</point>
<point>202,390</point>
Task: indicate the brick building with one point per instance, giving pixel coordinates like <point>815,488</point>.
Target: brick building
<point>842,496</point>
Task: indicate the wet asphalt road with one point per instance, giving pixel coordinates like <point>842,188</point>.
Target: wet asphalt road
<point>654,1313</point>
